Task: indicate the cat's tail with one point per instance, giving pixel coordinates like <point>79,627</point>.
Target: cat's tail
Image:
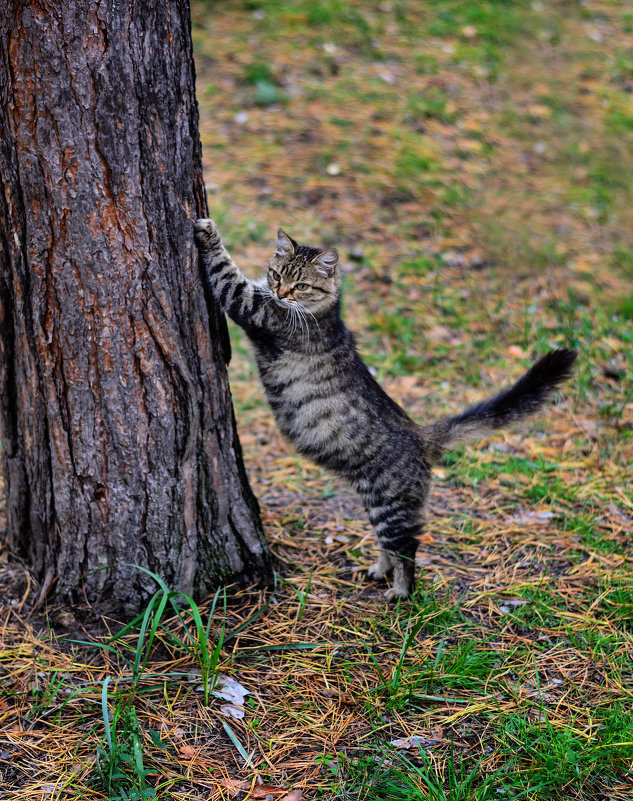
<point>518,401</point>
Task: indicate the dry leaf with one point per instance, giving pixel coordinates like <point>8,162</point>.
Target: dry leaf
<point>266,790</point>
<point>539,110</point>
<point>230,690</point>
<point>233,711</point>
<point>234,786</point>
<point>261,791</point>
<point>413,742</point>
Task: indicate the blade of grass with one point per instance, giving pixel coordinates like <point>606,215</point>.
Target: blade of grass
<point>247,759</point>
<point>104,712</point>
<point>295,646</point>
<point>161,598</point>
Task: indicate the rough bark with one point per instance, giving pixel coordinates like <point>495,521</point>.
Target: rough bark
<point>118,438</point>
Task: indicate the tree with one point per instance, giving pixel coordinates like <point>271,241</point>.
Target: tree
<point>118,437</point>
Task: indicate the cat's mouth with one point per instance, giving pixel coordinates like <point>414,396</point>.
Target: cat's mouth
<point>286,301</point>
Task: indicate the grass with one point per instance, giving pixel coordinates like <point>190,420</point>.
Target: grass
<point>402,779</point>
<point>120,768</point>
<point>550,758</point>
<point>482,207</point>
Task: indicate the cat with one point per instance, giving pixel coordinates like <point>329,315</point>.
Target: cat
<point>329,406</point>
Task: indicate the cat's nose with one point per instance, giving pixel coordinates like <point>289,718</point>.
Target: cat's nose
<point>283,291</point>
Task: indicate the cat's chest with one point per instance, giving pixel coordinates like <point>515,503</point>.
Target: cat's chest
<point>290,374</point>
<point>311,406</point>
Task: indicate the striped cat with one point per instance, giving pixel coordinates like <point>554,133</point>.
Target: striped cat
<point>328,405</point>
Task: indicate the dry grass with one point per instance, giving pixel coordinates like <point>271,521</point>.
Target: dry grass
<point>483,174</point>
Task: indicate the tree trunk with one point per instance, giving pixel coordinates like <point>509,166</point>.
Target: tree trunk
<point>118,437</point>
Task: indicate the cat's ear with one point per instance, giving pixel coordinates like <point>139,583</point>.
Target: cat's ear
<point>326,261</point>
<point>286,246</point>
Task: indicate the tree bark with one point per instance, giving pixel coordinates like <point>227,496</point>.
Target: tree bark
<point>118,438</point>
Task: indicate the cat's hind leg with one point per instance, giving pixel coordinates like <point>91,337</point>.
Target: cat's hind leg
<point>397,528</point>
<point>403,560</point>
<point>398,516</point>
<point>403,575</point>
<point>380,569</point>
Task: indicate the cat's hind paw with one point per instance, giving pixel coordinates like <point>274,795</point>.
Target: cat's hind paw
<point>396,593</point>
<point>380,569</point>
<point>402,580</point>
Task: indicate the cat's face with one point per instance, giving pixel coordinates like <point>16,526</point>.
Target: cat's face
<point>305,276</point>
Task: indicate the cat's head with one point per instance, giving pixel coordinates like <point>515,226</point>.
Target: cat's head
<point>307,276</point>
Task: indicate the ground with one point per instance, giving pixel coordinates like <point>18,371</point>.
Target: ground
<point>472,163</point>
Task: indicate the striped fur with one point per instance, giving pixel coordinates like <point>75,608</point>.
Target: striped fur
<point>328,405</point>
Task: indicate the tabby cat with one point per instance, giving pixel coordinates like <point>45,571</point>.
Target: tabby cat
<point>328,405</point>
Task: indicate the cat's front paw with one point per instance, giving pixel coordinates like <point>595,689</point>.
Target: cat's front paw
<point>206,233</point>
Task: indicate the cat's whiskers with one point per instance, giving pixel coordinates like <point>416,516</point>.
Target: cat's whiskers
<point>290,317</point>
<point>264,291</point>
<point>298,326</point>
<point>295,316</point>
<point>301,314</point>
<point>316,322</point>
<point>293,319</point>
<point>297,319</point>
<point>298,315</point>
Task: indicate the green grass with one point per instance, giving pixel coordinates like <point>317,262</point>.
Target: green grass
<point>549,759</point>
<point>120,766</point>
<point>120,762</point>
<point>585,526</point>
<point>399,778</point>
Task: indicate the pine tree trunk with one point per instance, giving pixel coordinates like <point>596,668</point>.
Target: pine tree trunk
<point>118,438</point>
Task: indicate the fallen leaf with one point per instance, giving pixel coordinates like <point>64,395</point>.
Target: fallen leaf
<point>234,786</point>
<point>439,333</point>
<point>265,790</point>
<point>413,742</point>
<point>230,690</point>
<point>516,351</point>
<point>262,791</point>
<point>187,751</point>
<point>539,110</point>
<point>233,711</point>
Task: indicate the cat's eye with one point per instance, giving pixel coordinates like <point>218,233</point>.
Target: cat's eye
<point>302,287</point>
<point>275,275</point>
